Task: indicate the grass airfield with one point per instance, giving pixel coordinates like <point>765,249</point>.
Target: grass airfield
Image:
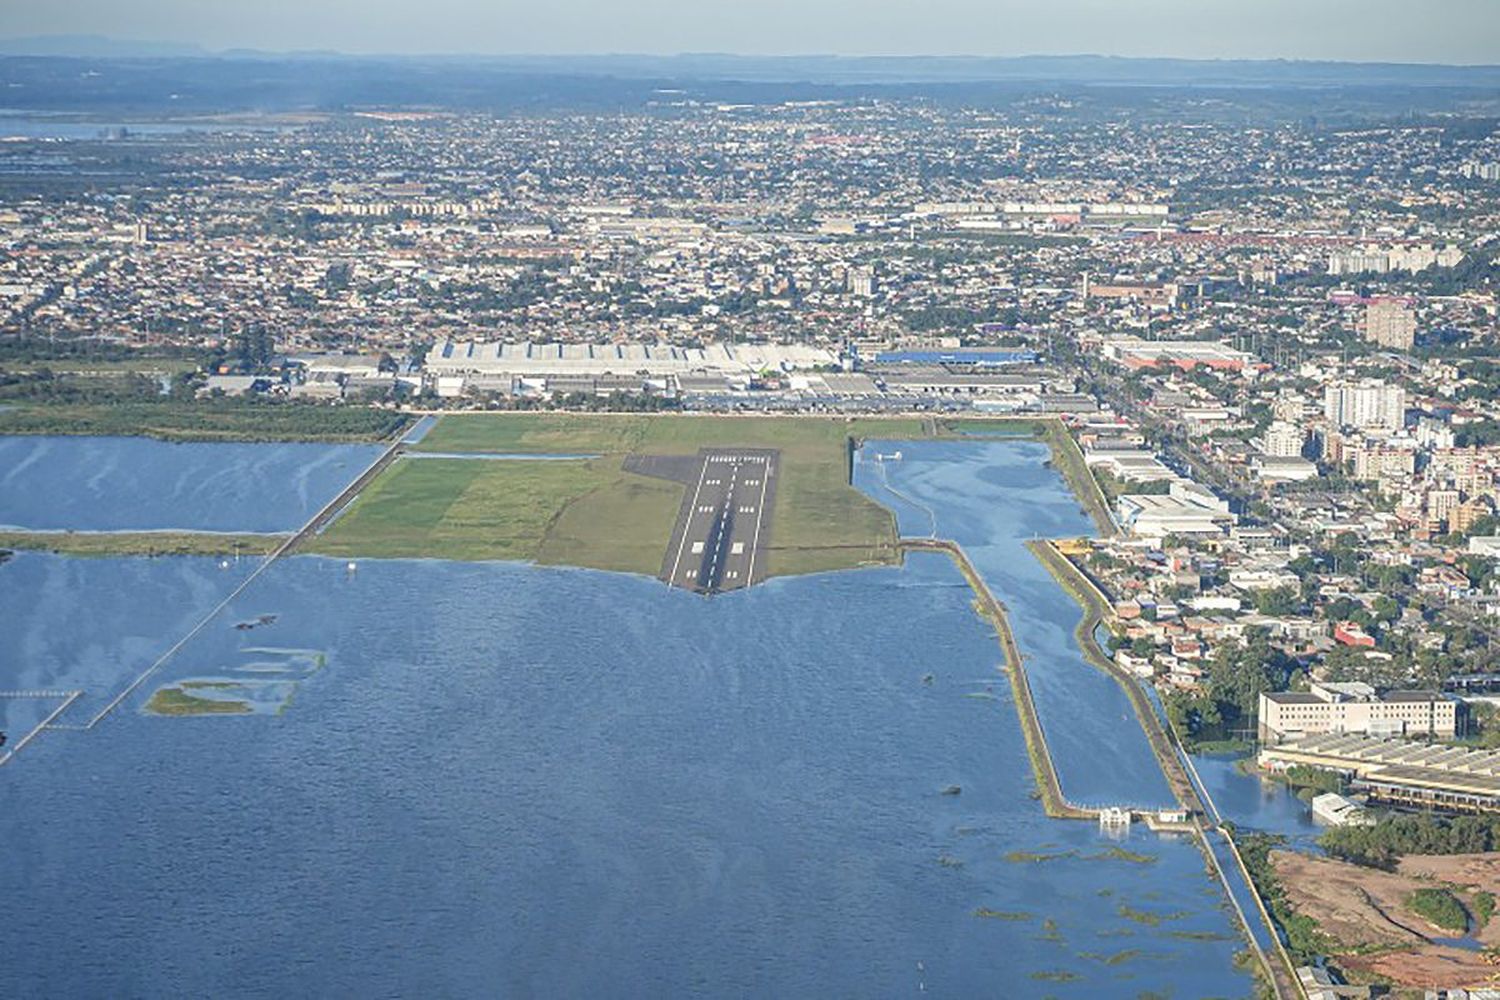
<point>471,490</point>
<point>591,511</point>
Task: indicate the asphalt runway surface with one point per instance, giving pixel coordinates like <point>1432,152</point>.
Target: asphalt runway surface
<point>724,526</point>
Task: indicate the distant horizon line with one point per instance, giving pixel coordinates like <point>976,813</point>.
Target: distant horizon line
<point>166,48</point>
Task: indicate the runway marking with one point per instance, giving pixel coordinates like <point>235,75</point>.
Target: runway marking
<point>759,516</point>
<point>714,524</point>
<point>697,491</point>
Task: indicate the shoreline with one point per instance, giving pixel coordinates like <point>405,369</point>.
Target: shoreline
<point>1067,459</point>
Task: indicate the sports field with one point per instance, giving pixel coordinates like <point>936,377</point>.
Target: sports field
<point>590,512</point>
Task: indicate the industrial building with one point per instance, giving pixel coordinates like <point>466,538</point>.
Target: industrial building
<point>528,360</point>
<point>1400,772</point>
<point>1186,509</point>
<point>1135,353</point>
<point>961,356</point>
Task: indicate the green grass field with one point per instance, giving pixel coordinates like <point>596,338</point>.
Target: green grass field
<point>592,512</point>
<point>95,366</point>
<point>459,509</point>
<point>204,420</point>
<point>140,543</point>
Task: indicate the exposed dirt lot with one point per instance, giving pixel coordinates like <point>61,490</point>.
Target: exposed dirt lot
<point>1365,911</point>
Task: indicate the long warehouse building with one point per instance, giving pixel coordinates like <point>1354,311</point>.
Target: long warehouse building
<point>528,360</point>
<point>1401,772</point>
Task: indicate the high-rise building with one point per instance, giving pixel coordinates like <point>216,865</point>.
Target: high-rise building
<point>1466,514</point>
<point>1441,504</point>
<point>1434,433</point>
<point>862,282</point>
<point>1331,446</point>
<point>1378,462</point>
<point>1289,408</point>
<point>1390,324</point>
<point>1379,260</point>
<point>1284,440</point>
<point>1371,405</point>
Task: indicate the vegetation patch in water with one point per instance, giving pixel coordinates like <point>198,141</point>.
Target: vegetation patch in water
<point>175,701</point>
<point>1199,936</point>
<point>1121,854</point>
<point>989,914</point>
<point>1147,917</point>
<point>1056,976</point>
<point>141,543</point>
<point>1037,857</point>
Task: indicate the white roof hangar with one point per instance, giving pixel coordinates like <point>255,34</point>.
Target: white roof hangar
<point>449,357</point>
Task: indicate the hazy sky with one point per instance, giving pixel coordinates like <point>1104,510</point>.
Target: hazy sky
<point>1450,31</point>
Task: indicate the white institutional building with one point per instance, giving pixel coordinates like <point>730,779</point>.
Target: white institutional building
<point>1354,707</point>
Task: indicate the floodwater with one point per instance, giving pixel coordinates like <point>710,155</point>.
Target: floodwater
<point>1257,803</point>
<point>516,781</point>
<point>52,483</point>
<point>91,624</point>
<point>992,497</point>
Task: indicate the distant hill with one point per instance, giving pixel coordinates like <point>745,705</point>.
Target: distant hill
<point>89,74</point>
<point>834,69</point>
<point>961,69</point>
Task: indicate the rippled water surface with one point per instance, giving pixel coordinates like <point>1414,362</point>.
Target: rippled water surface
<point>50,483</point>
<point>494,779</point>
